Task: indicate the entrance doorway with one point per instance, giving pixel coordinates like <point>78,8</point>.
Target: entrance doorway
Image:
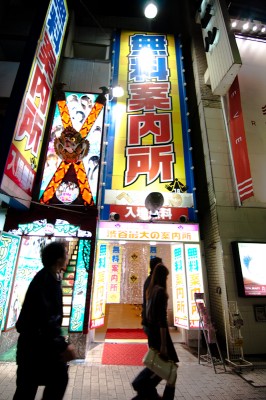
<point>134,269</point>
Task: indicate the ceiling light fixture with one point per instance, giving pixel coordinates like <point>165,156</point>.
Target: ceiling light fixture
<point>150,10</point>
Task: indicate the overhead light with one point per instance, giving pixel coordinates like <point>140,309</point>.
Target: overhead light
<point>234,24</point>
<point>245,26</point>
<point>115,92</point>
<point>150,10</point>
<point>263,29</point>
<point>118,91</point>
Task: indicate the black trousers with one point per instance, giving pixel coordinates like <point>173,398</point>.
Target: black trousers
<point>54,378</point>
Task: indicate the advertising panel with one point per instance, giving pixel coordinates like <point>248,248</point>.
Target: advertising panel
<point>148,137</point>
<point>180,306</point>
<point>222,54</point>
<point>114,274</point>
<point>252,88</point>
<point>80,287</point>
<point>187,280</point>
<point>23,157</point>
<point>239,144</point>
<point>9,245</point>
<point>99,285</point>
<point>194,281</point>
<point>250,271</point>
<point>147,232</point>
<point>29,264</point>
<point>71,170</point>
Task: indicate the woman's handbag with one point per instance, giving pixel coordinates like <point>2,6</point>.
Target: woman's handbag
<point>166,369</point>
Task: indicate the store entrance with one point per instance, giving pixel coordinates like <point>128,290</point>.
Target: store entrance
<point>135,257</point>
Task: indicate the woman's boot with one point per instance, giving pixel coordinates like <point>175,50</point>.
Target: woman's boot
<point>169,393</point>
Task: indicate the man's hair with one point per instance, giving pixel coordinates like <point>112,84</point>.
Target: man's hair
<point>154,261</point>
<point>52,252</point>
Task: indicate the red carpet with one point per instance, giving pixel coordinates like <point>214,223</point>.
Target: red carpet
<point>125,334</point>
<point>123,353</point>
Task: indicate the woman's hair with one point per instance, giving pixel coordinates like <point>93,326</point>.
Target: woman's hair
<point>52,252</point>
<point>158,278</point>
<point>154,261</point>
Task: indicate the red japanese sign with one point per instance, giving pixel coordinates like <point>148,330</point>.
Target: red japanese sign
<point>239,144</point>
<point>23,157</point>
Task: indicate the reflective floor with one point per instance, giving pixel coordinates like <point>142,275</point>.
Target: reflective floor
<point>127,316</point>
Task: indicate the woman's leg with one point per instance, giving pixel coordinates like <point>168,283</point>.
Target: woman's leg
<point>145,384</point>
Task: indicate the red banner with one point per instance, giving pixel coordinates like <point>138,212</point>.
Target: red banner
<point>239,144</point>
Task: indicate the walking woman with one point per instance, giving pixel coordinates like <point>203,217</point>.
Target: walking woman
<point>159,336</point>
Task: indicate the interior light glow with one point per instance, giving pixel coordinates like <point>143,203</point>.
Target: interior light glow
<point>263,29</point>
<point>254,28</point>
<point>246,26</point>
<point>234,24</point>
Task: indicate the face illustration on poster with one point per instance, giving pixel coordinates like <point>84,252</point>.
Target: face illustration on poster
<point>79,106</point>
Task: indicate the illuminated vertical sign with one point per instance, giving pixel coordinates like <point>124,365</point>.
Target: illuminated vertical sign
<point>23,157</point>
<point>99,286</point>
<point>80,287</point>
<point>186,280</point>
<point>238,144</point>
<point>222,54</point>
<point>9,246</point>
<point>194,281</point>
<point>180,307</point>
<point>148,129</point>
<point>114,274</point>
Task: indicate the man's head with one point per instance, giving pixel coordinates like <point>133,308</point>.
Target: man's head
<point>154,261</point>
<point>54,254</point>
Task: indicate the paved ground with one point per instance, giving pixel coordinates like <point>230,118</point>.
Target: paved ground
<point>89,380</point>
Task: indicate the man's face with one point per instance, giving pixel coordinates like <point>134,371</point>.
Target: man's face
<point>65,261</point>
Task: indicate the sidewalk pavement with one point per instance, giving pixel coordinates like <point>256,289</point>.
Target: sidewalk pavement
<point>90,380</point>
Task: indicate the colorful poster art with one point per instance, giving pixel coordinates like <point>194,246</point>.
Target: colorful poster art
<point>28,265</point>
<point>80,287</point>
<point>71,170</point>
<point>148,136</point>
<point>9,247</point>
